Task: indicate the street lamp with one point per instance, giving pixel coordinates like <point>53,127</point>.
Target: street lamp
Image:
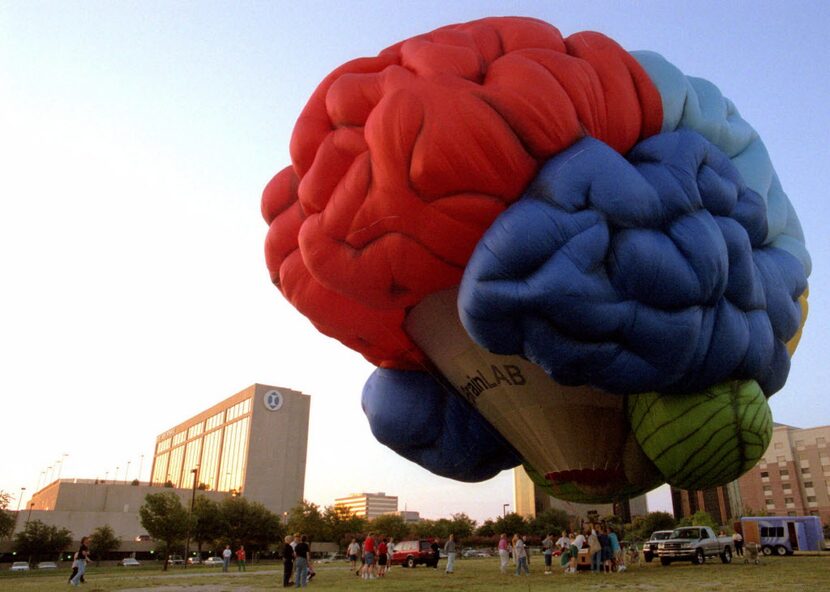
<point>60,468</point>
<point>20,499</point>
<point>140,466</point>
<point>127,471</point>
<point>504,510</point>
<point>195,471</point>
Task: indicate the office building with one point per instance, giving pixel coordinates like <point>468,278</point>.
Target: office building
<point>368,505</point>
<point>529,500</point>
<point>722,503</point>
<point>793,476</point>
<point>252,443</point>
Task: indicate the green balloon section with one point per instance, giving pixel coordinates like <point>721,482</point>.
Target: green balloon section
<point>704,439</point>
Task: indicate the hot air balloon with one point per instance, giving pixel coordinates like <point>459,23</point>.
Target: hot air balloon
<point>537,240</point>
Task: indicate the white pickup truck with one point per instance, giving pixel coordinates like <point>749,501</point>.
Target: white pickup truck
<point>695,544</point>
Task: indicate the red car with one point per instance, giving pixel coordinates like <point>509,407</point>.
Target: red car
<point>412,553</point>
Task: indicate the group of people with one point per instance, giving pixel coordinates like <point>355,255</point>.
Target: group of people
<point>296,561</point>
<point>240,558</point>
<point>603,544</point>
<point>375,556</point>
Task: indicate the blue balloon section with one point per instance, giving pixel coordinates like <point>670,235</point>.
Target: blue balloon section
<point>421,418</point>
<point>635,275</point>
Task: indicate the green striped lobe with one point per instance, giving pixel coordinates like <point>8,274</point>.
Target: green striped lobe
<point>700,440</point>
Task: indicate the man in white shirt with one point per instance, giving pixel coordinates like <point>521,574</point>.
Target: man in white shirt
<point>226,558</point>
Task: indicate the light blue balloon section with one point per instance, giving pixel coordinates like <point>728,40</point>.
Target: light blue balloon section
<point>696,104</point>
<point>639,275</point>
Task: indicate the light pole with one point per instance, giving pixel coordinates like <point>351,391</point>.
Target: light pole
<point>504,510</point>
<point>195,471</point>
<point>20,499</point>
<point>140,466</point>
<point>127,471</point>
<point>115,479</point>
<point>60,469</point>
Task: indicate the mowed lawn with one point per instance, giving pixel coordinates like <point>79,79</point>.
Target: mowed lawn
<point>774,574</point>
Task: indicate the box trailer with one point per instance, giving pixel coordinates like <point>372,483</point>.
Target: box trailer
<point>781,535</point>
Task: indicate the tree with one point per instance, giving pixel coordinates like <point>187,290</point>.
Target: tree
<point>342,524</point>
<point>249,523</point>
<point>307,519</point>
<point>551,521</point>
<point>7,521</point>
<point>487,529</point>
<point>165,519</point>
<point>390,525</point>
<point>38,540</point>
<point>643,526</point>
<point>462,526</point>
<point>207,525</point>
<point>699,518</point>
<point>511,524</point>
<point>102,541</point>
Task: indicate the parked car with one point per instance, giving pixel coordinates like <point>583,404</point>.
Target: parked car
<point>332,558</point>
<point>194,560</point>
<point>475,553</point>
<point>143,537</point>
<point>650,546</point>
<point>211,561</point>
<point>175,560</point>
<point>695,544</point>
<point>413,553</point>
<point>47,565</point>
<point>19,566</point>
<point>129,562</point>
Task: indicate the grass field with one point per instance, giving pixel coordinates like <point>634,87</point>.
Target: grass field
<point>480,575</point>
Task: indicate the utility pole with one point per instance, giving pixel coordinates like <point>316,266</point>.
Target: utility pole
<point>195,472</point>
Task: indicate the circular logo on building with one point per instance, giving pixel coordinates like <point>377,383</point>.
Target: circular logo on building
<point>273,400</point>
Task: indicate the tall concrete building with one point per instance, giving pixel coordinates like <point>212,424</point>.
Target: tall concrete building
<point>252,443</point>
<point>529,500</point>
<point>723,503</point>
<point>793,476</point>
<point>369,505</point>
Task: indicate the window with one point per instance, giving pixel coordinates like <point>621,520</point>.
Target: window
<point>179,438</point>
<point>779,445</point>
<point>163,445</point>
<point>788,500</point>
<point>820,441</point>
<point>805,470</point>
<point>825,459</point>
<point>772,531</point>
<point>768,489</point>
<point>770,503</point>
<point>239,409</point>
<point>785,473</point>
<point>764,474</point>
<point>194,430</point>
<point>811,498</point>
<point>215,420</point>
<point>799,443</point>
<point>808,484</point>
<point>792,514</point>
<point>780,459</point>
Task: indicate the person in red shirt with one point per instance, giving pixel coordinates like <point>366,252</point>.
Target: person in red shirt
<point>240,558</point>
<point>383,551</point>
<point>369,557</point>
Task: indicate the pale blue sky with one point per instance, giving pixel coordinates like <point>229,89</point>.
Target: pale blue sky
<point>135,140</point>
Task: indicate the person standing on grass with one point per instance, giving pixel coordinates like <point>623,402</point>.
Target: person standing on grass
<point>353,551</point>
<point>240,558</point>
<point>547,550</point>
<point>504,554</point>
<point>383,557</point>
<point>738,540</point>
<point>287,562</point>
<point>302,554</point>
<point>520,554</point>
<point>616,550</point>
<point>82,557</point>
<point>368,570</point>
<point>226,558</point>
<point>449,549</point>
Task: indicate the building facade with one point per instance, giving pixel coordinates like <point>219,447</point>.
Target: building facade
<point>529,500</point>
<point>722,503</point>
<point>252,443</point>
<point>368,505</point>
<point>793,476</point>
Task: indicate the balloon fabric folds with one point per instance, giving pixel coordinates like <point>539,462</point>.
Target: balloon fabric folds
<point>558,253</point>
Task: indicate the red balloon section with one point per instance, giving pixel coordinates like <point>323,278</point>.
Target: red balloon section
<point>402,161</point>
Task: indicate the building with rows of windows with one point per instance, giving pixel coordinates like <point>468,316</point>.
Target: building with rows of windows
<point>369,505</point>
<point>252,443</point>
<point>793,477</point>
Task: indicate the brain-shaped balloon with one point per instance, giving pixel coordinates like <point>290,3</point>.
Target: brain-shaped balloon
<point>557,252</point>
